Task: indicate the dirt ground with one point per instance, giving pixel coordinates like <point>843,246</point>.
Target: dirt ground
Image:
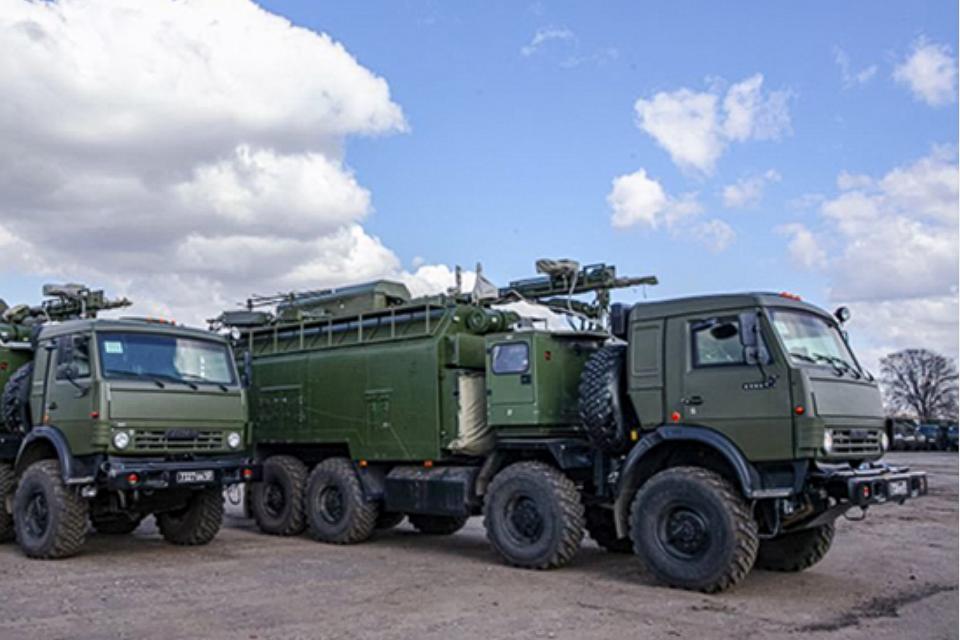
<point>893,575</point>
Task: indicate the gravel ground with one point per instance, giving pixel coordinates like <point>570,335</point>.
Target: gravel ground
<point>893,575</point>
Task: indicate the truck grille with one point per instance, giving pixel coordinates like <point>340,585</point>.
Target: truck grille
<point>856,441</point>
<point>174,441</point>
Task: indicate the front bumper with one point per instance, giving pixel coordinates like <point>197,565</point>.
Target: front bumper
<point>154,473</point>
<point>870,484</point>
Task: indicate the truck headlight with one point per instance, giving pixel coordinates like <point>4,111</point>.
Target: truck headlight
<point>121,439</point>
<point>884,441</point>
<point>233,440</point>
<point>828,440</point>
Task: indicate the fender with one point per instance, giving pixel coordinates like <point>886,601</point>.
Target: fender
<point>747,476</point>
<point>69,466</point>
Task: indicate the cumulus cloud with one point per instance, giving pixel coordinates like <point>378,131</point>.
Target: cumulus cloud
<point>889,247</point>
<point>930,72</point>
<point>185,153</point>
<point>636,199</point>
<point>696,127</point>
<point>748,192</point>
<point>851,77</point>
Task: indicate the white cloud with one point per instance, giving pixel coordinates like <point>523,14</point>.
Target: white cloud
<point>852,78</point>
<point>696,127</point>
<point>930,72</point>
<point>185,153</point>
<point>639,200</point>
<point>748,192</point>
<point>804,247</point>
<point>889,247</point>
<point>545,35</point>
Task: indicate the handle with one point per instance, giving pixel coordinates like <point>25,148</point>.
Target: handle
<point>692,401</point>
<point>52,406</point>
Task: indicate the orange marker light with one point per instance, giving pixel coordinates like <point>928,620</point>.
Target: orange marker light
<point>428,463</point>
<point>362,463</point>
<point>799,410</point>
<point>675,416</point>
<point>790,296</point>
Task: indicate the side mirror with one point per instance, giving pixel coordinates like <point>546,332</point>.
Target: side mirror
<point>754,350</point>
<point>246,374</point>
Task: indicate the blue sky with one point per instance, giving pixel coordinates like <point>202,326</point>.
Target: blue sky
<point>512,143</point>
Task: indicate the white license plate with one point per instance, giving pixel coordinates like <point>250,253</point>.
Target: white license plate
<point>898,488</point>
<point>188,477</point>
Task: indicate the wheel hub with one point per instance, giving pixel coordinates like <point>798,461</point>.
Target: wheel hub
<point>525,519</point>
<point>684,533</point>
<point>37,515</point>
<point>331,505</point>
<point>274,499</point>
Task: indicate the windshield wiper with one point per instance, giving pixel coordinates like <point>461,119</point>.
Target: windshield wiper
<point>166,376</point>
<point>193,376</point>
<point>136,374</point>
<point>802,356</point>
<point>839,364</point>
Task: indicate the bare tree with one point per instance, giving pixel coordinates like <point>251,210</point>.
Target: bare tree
<point>920,382</point>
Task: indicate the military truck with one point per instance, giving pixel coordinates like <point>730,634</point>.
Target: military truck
<point>705,435</point>
<point>110,420</point>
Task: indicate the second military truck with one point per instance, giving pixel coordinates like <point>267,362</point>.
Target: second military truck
<point>706,435</point>
<point>107,421</point>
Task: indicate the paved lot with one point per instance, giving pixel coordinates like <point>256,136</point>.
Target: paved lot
<point>891,576</point>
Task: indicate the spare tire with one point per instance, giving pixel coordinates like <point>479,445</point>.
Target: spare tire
<point>601,389</point>
<point>15,402</point>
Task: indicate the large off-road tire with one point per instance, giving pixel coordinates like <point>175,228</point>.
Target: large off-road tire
<point>795,551</point>
<point>336,509</point>
<point>8,483</point>
<point>15,401</point>
<point>195,524</point>
<point>602,529</point>
<point>692,529</point>
<point>116,524</point>
<point>50,519</point>
<point>277,501</point>
<point>534,516</point>
<point>600,393</point>
<point>437,525</point>
<point>388,520</point>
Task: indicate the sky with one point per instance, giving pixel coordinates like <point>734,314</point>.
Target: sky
<point>188,154</point>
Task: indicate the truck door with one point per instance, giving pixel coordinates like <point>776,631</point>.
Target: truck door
<point>70,395</point>
<point>750,403</point>
<point>510,383</point>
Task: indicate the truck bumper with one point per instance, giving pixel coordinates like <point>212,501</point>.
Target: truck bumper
<point>135,473</point>
<point>871,484</point>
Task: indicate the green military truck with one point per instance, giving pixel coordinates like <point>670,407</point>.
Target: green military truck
<point>108,421</point>
<point>706,435</point>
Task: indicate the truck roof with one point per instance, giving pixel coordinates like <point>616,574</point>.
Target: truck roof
<point>126,324</point>
<point>719,302</point>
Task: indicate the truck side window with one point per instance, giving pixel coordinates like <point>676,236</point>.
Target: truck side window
<point>73,350</point>
<point>716,342</point>
<point>511,357</point>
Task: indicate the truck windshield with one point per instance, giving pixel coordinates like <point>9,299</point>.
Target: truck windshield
<point>163,357</point>
<point>813,340</point>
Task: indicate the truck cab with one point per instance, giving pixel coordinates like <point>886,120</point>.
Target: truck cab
<point>116,420</point>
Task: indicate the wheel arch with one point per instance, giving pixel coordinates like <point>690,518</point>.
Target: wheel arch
<point>43,443</point>
<point>677,445</point>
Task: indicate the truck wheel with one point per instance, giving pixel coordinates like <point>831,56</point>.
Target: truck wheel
<point>388,520</point>
<point>8,483</point>
<point>533,516</point>
<point>116,524</point>
<point>691,529</point>
<point>602,529</point>
<point>796,551</point>
<point>437,525</point>
<point>195,524</point>
<point>15,402</point>
<point>50,520</point>
<point>599,406</point>
<point>277,501</point>
<point>337,511</point>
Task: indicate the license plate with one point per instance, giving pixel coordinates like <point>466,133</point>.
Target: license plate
<point>190,477</point>
<point>898,488</point>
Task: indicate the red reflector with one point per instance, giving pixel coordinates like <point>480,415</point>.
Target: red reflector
<point>248,473</point>
<point>133,478</point>
<point>428,463</point>
<point>4,365</point>
<point>94,414</point>
<point>547,355</point>
<point>675,416</point>
<point>865,491</point>
<point>798,410</point>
